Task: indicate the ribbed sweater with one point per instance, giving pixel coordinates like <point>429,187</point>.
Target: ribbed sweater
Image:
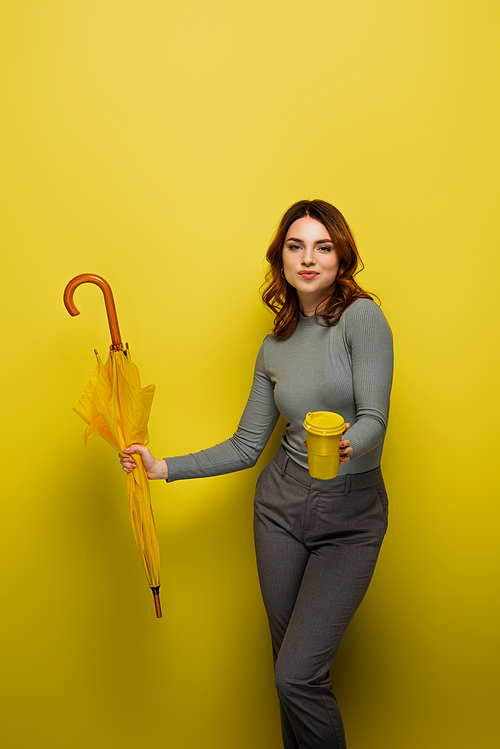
<point>345,368</point>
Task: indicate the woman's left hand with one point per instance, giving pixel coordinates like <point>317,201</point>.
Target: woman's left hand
<point>345,448</point>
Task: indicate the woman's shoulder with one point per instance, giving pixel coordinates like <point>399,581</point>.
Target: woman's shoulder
<point>363,313</point>
<point>363,309</point>
<point>265,348</point>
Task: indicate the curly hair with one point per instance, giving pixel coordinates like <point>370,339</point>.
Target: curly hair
<point>282,298</point>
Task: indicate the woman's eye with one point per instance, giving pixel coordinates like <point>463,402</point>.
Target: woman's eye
<point>293,247</point>
<point>326,248</point>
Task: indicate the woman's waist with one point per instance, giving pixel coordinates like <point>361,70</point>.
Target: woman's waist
<point>363,472</point>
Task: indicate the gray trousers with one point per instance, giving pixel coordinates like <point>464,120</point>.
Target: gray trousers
<point>317,544</point>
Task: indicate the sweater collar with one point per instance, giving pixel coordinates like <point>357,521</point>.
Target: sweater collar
<point>308,322</point>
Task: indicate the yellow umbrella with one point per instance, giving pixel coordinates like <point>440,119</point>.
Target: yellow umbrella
<point>116,407</point>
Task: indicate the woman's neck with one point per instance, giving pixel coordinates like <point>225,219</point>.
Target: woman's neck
<point>310,307</point>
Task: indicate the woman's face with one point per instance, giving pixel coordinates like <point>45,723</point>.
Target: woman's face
<point>310,262</point>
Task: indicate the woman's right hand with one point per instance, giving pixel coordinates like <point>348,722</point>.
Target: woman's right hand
<point>155,469</point>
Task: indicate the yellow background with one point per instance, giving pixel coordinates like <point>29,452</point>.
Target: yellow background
<point>157,144</point>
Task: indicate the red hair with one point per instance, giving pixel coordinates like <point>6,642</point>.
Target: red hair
<point>282,298</point>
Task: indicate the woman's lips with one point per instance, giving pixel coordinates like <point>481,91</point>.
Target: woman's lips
<point>308,274</point>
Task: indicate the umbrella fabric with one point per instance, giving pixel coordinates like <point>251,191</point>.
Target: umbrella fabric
<point>116,407</point>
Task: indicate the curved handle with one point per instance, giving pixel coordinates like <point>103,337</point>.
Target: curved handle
<point>108,299</point>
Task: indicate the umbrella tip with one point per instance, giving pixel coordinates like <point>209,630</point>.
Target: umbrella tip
<point>156,594</point>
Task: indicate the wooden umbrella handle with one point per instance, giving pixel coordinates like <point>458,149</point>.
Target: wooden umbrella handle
<point>108,299</point>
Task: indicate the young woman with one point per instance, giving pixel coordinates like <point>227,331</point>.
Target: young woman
<point>316,541</point>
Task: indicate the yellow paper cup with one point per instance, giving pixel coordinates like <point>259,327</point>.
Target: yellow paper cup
<point>324,430</point>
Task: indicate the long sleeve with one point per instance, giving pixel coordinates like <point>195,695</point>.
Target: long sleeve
<point>243,449</point>
<point>369,339</point>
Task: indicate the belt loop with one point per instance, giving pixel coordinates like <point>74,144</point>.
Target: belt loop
<point>283,470</point>
<point>347,484</point>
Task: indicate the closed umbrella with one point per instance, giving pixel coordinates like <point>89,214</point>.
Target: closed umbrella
<point>115,407</point>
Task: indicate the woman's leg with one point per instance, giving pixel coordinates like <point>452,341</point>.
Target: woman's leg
<point>332,588</point>
<point>281,562</point>
<point>317,544</point>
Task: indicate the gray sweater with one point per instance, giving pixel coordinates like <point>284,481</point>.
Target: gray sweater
<point>346,368</point>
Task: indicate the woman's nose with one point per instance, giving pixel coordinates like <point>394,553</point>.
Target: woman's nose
<point>307,257</point>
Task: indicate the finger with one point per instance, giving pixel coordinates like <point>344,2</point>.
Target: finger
<point>128,464</point>
<point>131,449</point>
<point>345,456</point>
<point>126,459</point>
